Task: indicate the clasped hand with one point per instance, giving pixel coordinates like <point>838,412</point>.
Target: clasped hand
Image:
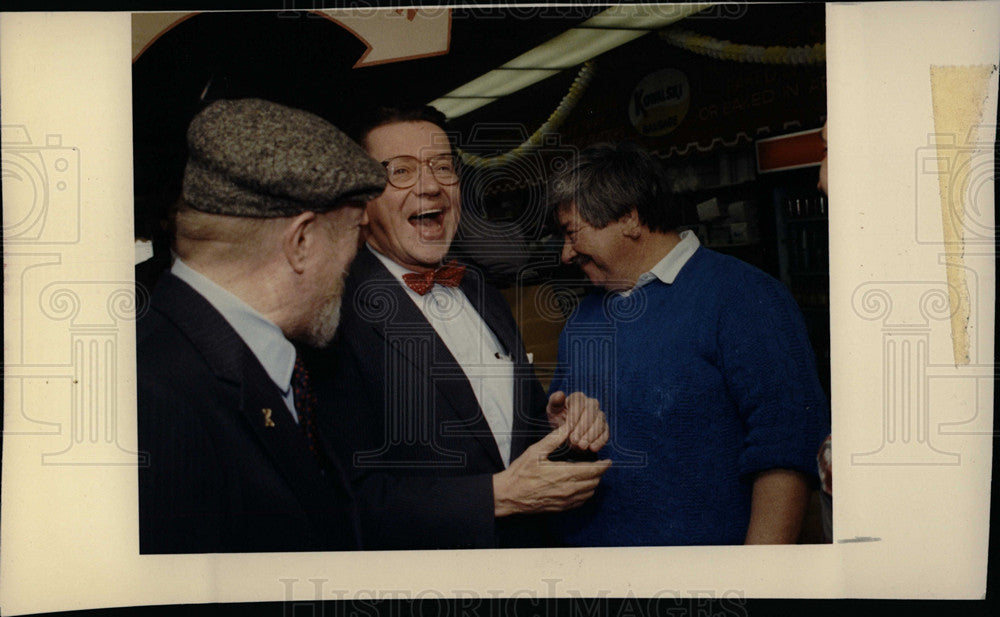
<point>533,483</point>
<point>588,428</point>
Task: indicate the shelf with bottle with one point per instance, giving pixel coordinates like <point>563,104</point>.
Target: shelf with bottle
<point>722,224</point>
<point>804,208</point>
<point>718,171</point>
<point>745,184</point>
<point>725,234</point>
<point>808,249</point>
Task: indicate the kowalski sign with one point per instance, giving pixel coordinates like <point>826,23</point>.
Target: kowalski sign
<point>637,95</point>
<point>759,88</point>
<point>659,102</point>
<point>735,102</point>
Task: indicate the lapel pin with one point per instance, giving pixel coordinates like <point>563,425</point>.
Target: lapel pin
<point>268,422</point>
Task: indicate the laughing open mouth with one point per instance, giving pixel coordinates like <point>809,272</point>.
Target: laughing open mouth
<point>427,217</point>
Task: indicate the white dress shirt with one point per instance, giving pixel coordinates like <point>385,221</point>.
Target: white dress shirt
<point>482,357</point>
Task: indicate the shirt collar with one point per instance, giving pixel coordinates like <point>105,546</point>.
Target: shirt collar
<point>666,269</point>
<point>394,269</point>
<point>264,338</point>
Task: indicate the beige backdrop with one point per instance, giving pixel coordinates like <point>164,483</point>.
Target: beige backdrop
<point>912,450</point>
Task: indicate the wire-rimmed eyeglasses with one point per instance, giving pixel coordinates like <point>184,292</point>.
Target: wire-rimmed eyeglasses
<point>404,170</point>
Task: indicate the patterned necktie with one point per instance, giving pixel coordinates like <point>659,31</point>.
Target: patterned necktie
<point>305,404</point>
<point>449,275</point>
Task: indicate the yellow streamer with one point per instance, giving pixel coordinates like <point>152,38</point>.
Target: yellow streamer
<point>551,125</point>
<point>735,52</point>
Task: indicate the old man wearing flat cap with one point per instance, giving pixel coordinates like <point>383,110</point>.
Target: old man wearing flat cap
<point>272,205</point>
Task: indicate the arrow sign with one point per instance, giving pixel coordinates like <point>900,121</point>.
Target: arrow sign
<point>394,35</point>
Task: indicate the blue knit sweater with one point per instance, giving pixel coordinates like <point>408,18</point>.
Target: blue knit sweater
<point>705,382</point>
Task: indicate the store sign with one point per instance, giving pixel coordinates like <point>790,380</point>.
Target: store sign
<point>801,149</point>
<point>660,102</point>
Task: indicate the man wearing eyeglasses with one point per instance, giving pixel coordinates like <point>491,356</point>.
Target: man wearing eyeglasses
<point>446,430</point>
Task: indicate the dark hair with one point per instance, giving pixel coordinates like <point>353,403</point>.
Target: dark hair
<point>380,116</point>
<point>607,181</point>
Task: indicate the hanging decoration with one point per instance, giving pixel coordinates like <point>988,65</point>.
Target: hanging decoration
<point>552,125</point>
<point>726,50</point>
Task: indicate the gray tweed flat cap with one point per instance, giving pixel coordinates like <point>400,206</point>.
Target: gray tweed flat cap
<point>255,158</point>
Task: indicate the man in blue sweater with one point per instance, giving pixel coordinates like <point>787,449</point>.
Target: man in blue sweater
<point>702,364</point>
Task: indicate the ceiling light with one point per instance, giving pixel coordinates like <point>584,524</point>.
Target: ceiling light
<point>609,29</point>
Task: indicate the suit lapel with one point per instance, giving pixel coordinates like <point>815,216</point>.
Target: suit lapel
<point>261,405</point>
<point>493,314</point>
<point>527,426</point>
<point>379,293</point>
<point>265,411</point>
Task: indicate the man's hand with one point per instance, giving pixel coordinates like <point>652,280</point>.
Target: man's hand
<point>533,483</point>
<point>588,428</point>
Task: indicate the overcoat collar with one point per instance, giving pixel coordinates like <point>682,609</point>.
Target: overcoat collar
<point>261,405</point>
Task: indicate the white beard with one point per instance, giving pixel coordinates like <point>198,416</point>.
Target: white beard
<point>323,328</point>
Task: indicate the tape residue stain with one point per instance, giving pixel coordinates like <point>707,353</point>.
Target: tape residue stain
<point>958,95</point>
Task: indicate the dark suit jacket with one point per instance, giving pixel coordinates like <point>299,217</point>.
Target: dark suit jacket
<point>416,444</point>
<point>221,478</point>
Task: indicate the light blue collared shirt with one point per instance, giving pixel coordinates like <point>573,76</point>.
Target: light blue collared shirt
<point>265,339</point>
<point>667,268</point>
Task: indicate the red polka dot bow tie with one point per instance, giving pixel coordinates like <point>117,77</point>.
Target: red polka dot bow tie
<point>449,275</point>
